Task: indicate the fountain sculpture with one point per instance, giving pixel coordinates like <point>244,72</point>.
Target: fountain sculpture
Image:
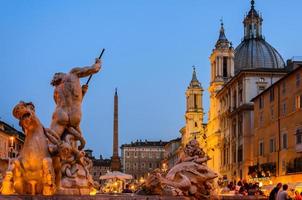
<point>52,160</point>
<point>190,177</point>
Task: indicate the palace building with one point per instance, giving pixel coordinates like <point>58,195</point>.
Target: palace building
<point>237,76</point>
<point>277,140</point>
<point>11,142</point>
<point>141,157</point>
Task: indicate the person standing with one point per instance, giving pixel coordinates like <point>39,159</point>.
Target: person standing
<point>274,192</point>
<point>283,195</point>
<point>297,196</point>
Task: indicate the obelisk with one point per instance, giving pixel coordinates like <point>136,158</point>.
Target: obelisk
<point>115,159</point>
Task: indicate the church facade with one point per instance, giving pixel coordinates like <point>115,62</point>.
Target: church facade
<point>237,76</point>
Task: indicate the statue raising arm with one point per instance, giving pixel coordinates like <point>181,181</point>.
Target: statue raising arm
<point>86,71</point>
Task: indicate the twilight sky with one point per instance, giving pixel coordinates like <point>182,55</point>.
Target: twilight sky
<point>151,46</point>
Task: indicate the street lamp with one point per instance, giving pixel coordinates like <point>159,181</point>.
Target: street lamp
<point>164,167</point>
<point>11,146</point>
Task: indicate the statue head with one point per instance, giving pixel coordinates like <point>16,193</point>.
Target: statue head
<point>25,113</point>
<point>57,79</point>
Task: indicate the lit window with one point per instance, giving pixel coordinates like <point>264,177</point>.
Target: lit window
<point>299,101</point>
<point>261,79</point>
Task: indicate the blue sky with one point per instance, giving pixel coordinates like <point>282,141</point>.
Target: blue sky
<point>150,49</point>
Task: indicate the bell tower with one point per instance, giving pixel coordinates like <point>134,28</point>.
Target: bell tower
<point>194,111</point>
<point>222,70</point>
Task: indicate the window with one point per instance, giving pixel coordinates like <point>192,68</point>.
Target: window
<point>234,99</point>
<point>298,101</point>
<point>240,125</point>
<point>261,148</point>
<point>272,112</point>
<point>261,79</point>
<point>261,119</point>
<point>195,101</point>
<point>272,146</point>
<point>196,124</point>
<point>234,154</point>
<point>261,102</point>
<point>240,97</point>
<point>271,95</point>
<point>150,165</point>
<point>298,79</point>
<point>240,153</point>
<point>283,108</point>
<point>299,136</point>
<point>225,67</point>
<point>283,87</point>
<point>284,141</point>
<point>234,128</point>
<point>261,88</point>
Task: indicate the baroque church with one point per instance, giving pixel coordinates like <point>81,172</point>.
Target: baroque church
<point>237,76</point>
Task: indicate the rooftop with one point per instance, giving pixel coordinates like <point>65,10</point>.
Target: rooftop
<point>11,131</point>
<point>146,143</point>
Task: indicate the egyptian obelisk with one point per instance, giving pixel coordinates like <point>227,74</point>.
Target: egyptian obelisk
<point>115,159</point>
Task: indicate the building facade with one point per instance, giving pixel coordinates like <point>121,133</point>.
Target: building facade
<point>237,76</point>
<point>222,70</point>
<point>100,165</point>
<point>141,157</point>
<point>11,142</point>
<point>171,155</point>
<point>278,130</point>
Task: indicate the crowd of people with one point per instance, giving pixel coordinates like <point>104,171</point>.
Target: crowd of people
<point>244,188</point>
<point>282,194</point>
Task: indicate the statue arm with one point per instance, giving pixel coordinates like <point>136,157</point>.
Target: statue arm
<point>86,71</point>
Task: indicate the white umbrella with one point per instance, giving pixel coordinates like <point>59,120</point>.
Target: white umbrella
<point>116,174</point>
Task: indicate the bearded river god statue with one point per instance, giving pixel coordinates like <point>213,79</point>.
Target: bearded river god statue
<point>190,177</point>
<point>52,160</point>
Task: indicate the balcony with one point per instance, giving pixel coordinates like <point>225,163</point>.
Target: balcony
<point>299,148</point>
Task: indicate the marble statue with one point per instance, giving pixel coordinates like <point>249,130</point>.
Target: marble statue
<point>190,177</point>
<point>70,163</point>
<point>32,171</point>
<point>52,160</point>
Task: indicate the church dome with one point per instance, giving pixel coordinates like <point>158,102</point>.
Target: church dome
<point>254,52</point>
<point>257,53</point>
